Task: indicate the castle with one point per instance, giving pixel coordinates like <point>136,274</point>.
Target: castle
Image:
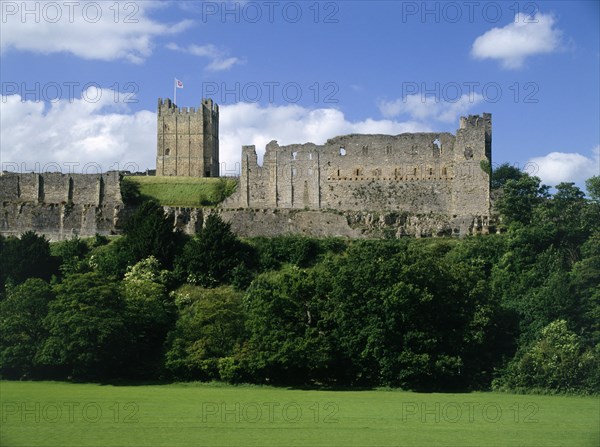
<point>357,186</point>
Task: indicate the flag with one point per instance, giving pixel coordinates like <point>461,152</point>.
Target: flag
<point>178,83</point>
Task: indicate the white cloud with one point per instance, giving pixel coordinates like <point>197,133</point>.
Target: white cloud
<point>524,37</point>
<point>107,134</point>
<point>89,30</point>
<point>218,58</point>
<point>73,134</point>
<point>557,167</point>
<point>420,107</point>
<point>247,124</point>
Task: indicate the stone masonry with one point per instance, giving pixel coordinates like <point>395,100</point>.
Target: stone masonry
<point>188,140</point>
<point>60,206</point>
<point>435,174</point>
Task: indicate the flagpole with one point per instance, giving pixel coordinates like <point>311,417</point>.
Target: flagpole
<point>174,91</point>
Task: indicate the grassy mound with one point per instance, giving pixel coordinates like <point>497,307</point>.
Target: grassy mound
<point>177,191</point>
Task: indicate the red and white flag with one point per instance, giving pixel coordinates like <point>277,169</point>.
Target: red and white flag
<point>178,83</point>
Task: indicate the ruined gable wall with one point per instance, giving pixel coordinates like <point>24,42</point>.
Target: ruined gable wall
<point>298,175</point>
<point>257,183</point>
<point>379,172</point>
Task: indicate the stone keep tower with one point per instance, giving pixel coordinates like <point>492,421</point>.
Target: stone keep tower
<point>188,140</point>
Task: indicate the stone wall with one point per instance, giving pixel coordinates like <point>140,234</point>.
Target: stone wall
<point>187,140</point>
<point>60,206</point>
<point>327,223</point>
<point>420,173</point>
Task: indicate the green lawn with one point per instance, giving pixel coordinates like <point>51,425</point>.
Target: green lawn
<point>64,414</point>
<point>184,191</point>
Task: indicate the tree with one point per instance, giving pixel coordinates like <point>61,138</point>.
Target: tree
<point>130,192</point>
<point>504,173</point>
<point>413,314</point>
<point>111,259</point>
<point>566,205</point>
<point>26,257</point>
<point>520,198</point>
<point>149,233</point>
<point>297,250</point>
<point>209,329</point>
<point>285,344</point>
<point>565,219</point>
<point>213,255</point>
<point>87,333</point>
<point>555,362</point>
<point>593,188</point>
<point>71,254</point>
<point>149,314</point>
<point>21,328</point>
<point>357,320</point>
<point>584,283</point>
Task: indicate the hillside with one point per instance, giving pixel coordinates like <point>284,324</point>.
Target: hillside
<point>179,191</point>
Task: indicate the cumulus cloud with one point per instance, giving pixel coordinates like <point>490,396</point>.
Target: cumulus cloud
<point>219,61</point>
<point>75,135</point>
<point>557,167</point>
<point>108,135</point>
<point>524,37</point>
<point>89,30</point>
<point>244,124</point>
<point>420,107</point>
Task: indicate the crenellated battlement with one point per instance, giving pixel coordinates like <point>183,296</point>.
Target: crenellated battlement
<point>168,107</point>
<point>165,105</point>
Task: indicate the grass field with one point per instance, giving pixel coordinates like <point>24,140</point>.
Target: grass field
<point>184,191</point>
<point>64,414</point>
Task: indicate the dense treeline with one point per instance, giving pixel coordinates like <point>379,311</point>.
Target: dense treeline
<point>516,311</point>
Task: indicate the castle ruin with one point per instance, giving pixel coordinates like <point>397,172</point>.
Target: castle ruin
<point>356,186</point>
<point>418,173</point>
<point>187,140</point>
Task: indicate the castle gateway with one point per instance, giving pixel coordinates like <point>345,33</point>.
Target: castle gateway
<point>417,173</point>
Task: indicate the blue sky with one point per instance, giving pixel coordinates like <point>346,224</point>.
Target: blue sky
<point>80,80</point>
